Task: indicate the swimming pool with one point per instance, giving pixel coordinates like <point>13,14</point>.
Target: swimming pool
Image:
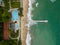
<point>15,17</point>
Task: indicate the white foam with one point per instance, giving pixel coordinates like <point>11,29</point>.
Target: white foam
<point>28,39</point>
<point>53,1</point>
<point>30,23</point>
<point>37,4</point>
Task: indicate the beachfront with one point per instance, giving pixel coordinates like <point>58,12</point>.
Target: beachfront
<point>24,22</point>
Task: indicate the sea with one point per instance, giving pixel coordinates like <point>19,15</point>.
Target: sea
<point>43,22</point>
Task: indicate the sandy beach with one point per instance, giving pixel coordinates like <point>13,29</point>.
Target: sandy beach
<point>24,22</point>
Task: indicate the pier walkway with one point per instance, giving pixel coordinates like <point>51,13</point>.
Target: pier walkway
<point>40,21</point>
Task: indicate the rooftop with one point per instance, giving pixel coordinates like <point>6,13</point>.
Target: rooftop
<point>6,30</point>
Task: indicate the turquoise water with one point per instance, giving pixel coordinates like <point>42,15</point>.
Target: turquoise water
<point>15,15</point>
<point>46,33</point>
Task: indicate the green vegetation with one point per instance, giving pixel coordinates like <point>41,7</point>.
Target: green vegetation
<point>19,42</point>
<point>13,34</point>
<point>21,13</point>
<point>4,11</point>
<point>1,10</point>
<point>1,31</point>
<point>6,16</point>
<point>6,4</point>
<point>8,42</point>
<point>1,23</point>
<point>15,4</point>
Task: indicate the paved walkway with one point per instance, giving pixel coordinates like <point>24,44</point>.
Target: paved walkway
<point>19,30</point>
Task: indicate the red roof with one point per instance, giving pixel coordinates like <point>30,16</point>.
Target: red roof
<point>6,30</point>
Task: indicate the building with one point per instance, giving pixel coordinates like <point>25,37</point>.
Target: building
<point>6,26</point>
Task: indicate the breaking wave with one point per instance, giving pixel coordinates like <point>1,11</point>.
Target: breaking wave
<point>30,22</point>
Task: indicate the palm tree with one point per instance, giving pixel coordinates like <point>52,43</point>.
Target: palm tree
<point>20,12</point>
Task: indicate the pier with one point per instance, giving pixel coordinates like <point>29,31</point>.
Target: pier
<point>40,21</point>
<point>45,21</point>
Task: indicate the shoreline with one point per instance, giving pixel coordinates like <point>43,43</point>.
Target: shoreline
<point>24,22</point>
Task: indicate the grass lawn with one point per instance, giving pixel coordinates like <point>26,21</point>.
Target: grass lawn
<point>15,4</point>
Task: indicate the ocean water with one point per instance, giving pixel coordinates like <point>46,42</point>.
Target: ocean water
<point>41,33</point>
